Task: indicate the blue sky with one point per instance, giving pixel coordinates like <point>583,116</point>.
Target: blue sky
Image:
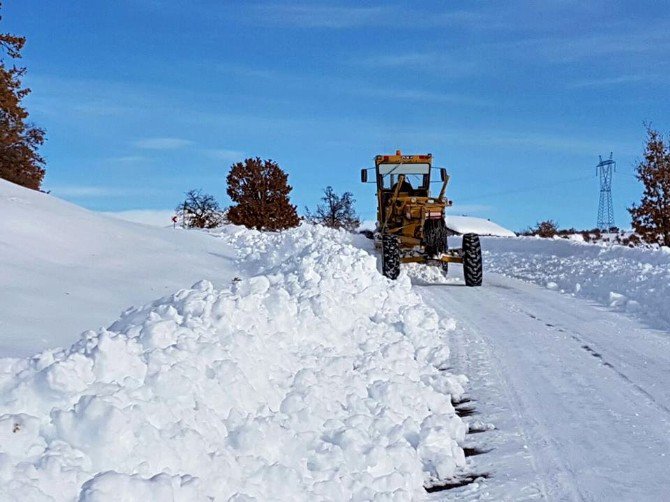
<point>145,99</point>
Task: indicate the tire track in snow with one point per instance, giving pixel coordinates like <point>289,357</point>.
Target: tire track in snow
<point>597,354</point>
<point>484,357</point>
<point>590,437</point>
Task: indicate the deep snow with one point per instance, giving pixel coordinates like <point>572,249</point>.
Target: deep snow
<point>579,395</point>
<point>303,374</point>
<point>64,269</point>
<point>632,280</point>
<point>297,372</point>
<point>480,226</point>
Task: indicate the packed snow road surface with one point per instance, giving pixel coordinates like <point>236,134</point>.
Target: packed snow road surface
<point>579,395</point>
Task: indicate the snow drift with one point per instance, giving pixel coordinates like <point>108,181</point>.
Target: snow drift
<point>636,280</point>
<point>472,225</point>
<point>64,269</point>
<point>309,377</point>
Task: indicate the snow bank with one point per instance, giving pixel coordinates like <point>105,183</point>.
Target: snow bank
<point>479,226</point>
<point>311,377</point>
<point>636,280</point>
<point>64,269</point>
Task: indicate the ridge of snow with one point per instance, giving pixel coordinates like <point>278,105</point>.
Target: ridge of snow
<point>311,377</point>
<point>635,280</point>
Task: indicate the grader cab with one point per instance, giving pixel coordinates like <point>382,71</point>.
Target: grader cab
<point>410,221</point>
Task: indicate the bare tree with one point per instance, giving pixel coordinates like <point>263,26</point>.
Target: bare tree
<point>336,211</point>
<point>199,210</point>
<point>651,219</point>
<point>547,229</point>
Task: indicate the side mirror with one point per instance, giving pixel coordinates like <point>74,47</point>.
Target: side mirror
<point>364,175</point>
<point>443,174</point>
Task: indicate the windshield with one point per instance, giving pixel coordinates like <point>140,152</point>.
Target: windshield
<point>417,175</point>
<point>385,169</point>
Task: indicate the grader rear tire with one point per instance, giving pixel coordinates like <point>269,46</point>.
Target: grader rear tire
<point>390,256</point>
<point>472,260</point>
<point>435,237</point>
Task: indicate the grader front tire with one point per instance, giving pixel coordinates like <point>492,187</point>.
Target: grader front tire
<point>472,260</point>
<point>390,256</point>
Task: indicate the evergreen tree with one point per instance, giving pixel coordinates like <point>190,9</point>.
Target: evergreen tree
<point>19,140</point>
<point>651,218</point>
<point>261,191</point>
<point>336,211</point>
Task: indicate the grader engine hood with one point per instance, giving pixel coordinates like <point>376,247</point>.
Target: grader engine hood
<point>419,209</point>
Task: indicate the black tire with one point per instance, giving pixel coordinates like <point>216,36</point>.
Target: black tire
<point>472,260</point>
<point>445,264</point>
<point>435,237</point>
<point>390,256</point>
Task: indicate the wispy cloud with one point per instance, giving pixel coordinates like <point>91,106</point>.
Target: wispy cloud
<point>527,140</point>
<point>339,17</point>
<point>419,95</point>
<point>612,81</point>
<point>432,62</point>
<point>127,159</point>
<point>163,143</point>
<point>224,155</point>
<point>465,209</point>
<point>323,16</point>
<point>95,192</point>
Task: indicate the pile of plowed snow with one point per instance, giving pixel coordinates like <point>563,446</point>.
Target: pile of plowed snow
<point>311,377</point>
<point>636,280</point>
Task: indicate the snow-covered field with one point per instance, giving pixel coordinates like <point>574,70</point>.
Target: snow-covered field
<point>297,373</point>
<point>285,367</point>
<point>64,269</point>
<point>634,280</point>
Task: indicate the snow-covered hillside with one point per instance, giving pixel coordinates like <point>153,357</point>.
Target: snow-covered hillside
<point>296,373</point>
<point>479,226</point>
<point>64,269</point>
<point>635,280</point>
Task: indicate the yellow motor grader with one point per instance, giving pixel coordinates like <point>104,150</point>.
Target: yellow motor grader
<point>410,222</point>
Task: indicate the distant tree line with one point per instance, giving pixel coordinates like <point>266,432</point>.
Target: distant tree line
<point>260,194</point>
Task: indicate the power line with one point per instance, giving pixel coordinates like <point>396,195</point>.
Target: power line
<point>529,188</point>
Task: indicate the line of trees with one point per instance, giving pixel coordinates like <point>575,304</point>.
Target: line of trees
<point>651,217</point>
<point>260,193</point>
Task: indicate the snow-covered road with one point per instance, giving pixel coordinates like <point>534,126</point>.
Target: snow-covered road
<point>579,395</point>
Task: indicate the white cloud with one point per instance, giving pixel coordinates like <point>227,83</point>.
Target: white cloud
<point>611,81</point>
<point>323,16</point>
<point>86,191</point>
<point>154,217</point>
<point>162,143</point>
<point>225,155</point>
<point>466,209</point>
<point>420,95</point>
<point>99,192</point>
<point>308,15</point>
